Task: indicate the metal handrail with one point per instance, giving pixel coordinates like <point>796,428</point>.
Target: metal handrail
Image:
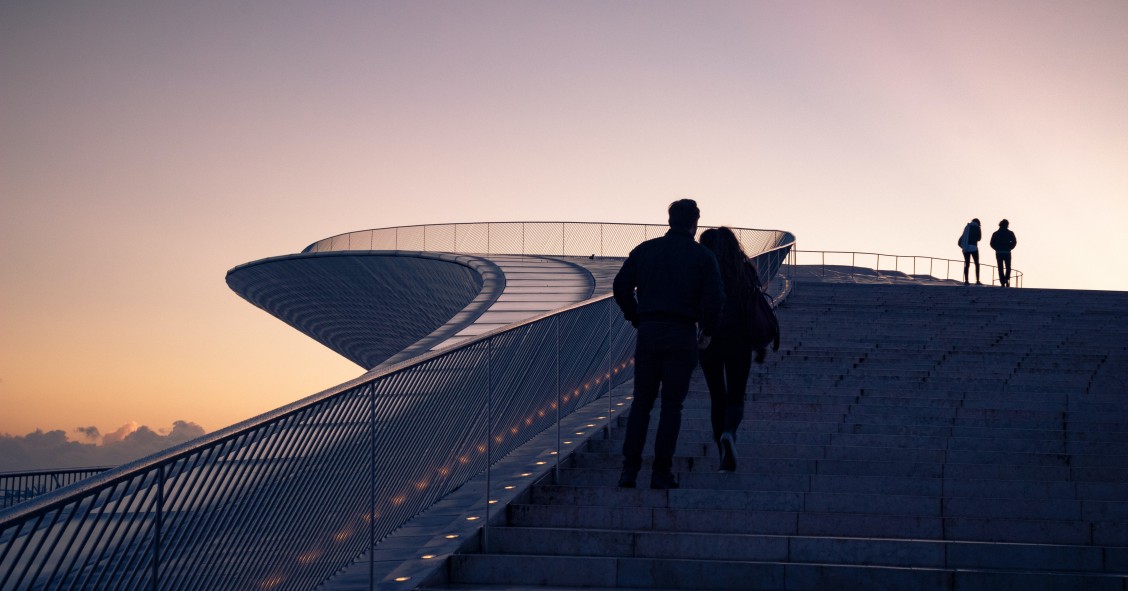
<point>1015,277</point>
<point>284,500</point>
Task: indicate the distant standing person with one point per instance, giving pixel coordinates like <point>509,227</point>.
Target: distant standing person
<point>969,244</point>
<point>727,361</point>
<point>667,288</point>
<point>1003,242</point>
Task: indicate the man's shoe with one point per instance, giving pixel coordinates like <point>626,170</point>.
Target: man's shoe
<point>627,480</point>
<point>728,452</point>
<point>663,480</point>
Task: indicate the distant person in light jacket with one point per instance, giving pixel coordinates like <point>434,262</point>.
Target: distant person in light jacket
<point>969,244</point>
<point>1003,242</point>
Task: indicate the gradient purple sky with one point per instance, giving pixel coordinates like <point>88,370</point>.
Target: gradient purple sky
<point>146,148</point>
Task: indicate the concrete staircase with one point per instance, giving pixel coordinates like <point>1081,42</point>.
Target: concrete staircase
<point>904,437</point>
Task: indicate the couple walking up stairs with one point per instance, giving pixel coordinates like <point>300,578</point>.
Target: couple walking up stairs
<point>904,437</point>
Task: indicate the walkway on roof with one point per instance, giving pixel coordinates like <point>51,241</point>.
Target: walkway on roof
<point>535,285</point>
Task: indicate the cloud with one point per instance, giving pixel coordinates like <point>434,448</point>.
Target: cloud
<point>124,431</point>
<point>47,450</point>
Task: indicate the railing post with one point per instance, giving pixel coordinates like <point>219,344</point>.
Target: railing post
<point>610,370</point>
<point>559,447</point>
<point>489,430</point>
<point>371,487</point>
<point>157,525</point>
<point>791,252</point>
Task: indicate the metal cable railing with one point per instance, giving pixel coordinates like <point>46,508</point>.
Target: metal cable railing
<point>908,265</point>
<point>284,500</point>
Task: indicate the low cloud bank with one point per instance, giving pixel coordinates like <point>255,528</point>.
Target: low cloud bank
<point>49,450</point>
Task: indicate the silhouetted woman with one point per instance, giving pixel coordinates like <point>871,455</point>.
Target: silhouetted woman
<point>969,244</point>
<point>727,361</point>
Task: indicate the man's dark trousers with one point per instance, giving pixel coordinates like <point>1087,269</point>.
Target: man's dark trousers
<point>1004,259</point>
<point>665,355</point>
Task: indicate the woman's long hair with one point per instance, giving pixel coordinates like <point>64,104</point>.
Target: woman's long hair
<point>731,258</point>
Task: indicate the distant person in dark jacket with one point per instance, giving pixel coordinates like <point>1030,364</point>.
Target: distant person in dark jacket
<point>1003,242</point>
<point>727,361</point>
<point>969,244</point>
<point>669,287</point>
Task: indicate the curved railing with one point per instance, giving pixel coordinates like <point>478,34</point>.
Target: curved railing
<point>767,248</point>
<point>579,239</point>
<point>909,265</point>
<point>286,499</point>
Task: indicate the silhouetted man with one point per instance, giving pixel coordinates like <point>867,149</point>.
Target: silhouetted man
<point>667,286</point>
<point>1003,242</point>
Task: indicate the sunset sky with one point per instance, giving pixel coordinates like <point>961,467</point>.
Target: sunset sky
<point>148,147</point>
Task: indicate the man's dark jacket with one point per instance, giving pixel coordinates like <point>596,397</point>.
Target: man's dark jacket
<point>1003,240</point>
<point>677,280</point>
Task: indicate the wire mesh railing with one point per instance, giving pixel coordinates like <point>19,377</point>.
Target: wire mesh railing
<point>285,500</point>
<point>911,266</point>
<point>578,239</point>
<point>769,249</point>
<point>17,487</point>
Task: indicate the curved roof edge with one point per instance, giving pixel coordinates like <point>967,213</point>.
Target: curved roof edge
<point>369,305</point>
<point>493,284</point>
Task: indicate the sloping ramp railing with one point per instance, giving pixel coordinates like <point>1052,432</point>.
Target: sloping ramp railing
<point>284,500</point>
